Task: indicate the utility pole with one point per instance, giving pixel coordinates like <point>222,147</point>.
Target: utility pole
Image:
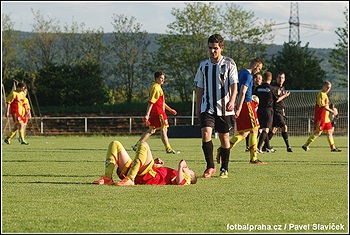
<point>294,34</point>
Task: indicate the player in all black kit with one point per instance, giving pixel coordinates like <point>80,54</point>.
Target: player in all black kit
<point>279,118</point>
<point>267,96</point>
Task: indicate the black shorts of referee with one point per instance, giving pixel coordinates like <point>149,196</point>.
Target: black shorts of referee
<point>265,116</point>
<point>279,119</point>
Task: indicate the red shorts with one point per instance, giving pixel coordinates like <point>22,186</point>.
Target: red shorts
<point>17,118</point>
<point>248,118</point>
<point>322,126</point>
<point>158,121</point>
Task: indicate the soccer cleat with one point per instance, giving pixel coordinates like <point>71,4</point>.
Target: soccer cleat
<point>19,140</point>
<point>247,149</point>
<point>170,151</point>
<point>104,180</point>
<point>223,174</point>
<point>24,143</point>
<point>289,149</point>
<point>218,156</point>
<point>134,147</point>
<point>6,141</point>
<point>271,150</point>
<point>336,150</point>
<point>307,149</point>
<point>259,151</point>
<point>258,162</point>
<point>125,182</point>
<point>209,172</point>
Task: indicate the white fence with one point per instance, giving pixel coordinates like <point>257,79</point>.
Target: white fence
<point>299,111</point>
<point>132,125</point>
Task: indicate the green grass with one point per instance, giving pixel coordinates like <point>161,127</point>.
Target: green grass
<point>46,188</point>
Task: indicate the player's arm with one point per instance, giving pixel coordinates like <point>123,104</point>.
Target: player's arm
<point>148,112</point>
<point>241,98</point>
<point>172,111</point>
<point>199,96</point>
<point>283,96</point>
<point>231,103</point>
<point>180,174</point>
<point>334,112</point>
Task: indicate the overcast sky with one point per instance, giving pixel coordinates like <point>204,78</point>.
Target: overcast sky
<point>318,20</point>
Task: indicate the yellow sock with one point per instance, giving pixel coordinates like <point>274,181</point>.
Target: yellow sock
<point>168,147</point>
<point>253,141</point>
<point>114,149</point>
<point>235,139</point>
<point>310,140</point>
<point>21,135</point>
<point>331,142</point>
<point>11,135</point>
<point>139,161</point>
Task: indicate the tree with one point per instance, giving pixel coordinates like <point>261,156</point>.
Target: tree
<point>181,51</point>
<point>9,51</point>
<point>339,55</point>
<point>41,49</point>
<point>301,66</point>
<point>245,38</point>
<point>67,85</point>
<point>129,57</point>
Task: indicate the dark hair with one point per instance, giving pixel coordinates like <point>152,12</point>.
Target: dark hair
<point>256,60</point>
<point>216,38</point>
<point>21,85</point>
<point>158,74</point>
<point>256,75</point>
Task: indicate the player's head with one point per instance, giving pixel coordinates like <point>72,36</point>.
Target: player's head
<point>281,78</point>
<point>21,86</point>
<point>191,174</point>
<point>159,77</point>
<point>256,65</point>
<point>257,79</point>
<point>267,77</point>
<point>327,85</point>
<point>215,45</point>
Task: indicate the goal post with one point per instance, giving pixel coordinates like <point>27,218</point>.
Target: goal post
<point>299,108</point>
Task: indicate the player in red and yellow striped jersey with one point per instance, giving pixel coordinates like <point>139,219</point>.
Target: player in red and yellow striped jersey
<point>15,107</point>
<point>26,112</point>
<point>322,122</point>
<point>156,118</point>
<point>143,170</point>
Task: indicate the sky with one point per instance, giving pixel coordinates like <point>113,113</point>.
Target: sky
<point>318,20</point>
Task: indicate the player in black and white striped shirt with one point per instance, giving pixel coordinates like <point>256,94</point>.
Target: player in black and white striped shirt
<point>216,83</point>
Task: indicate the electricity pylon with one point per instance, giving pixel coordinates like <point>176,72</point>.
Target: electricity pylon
<point>294,33</point>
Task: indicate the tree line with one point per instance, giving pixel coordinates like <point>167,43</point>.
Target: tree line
<point>71,65</point>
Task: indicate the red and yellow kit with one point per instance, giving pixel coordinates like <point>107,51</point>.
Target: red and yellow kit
<point>158,117</point>
<point>15,99</point>
<point>321,115</point>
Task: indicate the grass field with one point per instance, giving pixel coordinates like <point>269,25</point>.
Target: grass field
<point>46,188</point>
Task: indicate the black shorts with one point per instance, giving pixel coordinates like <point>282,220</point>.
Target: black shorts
<point>221,124</point>
<point>279,120</point>
<point>265,116</point>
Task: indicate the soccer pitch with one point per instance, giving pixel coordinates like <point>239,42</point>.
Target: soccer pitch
<point>46,188</point>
